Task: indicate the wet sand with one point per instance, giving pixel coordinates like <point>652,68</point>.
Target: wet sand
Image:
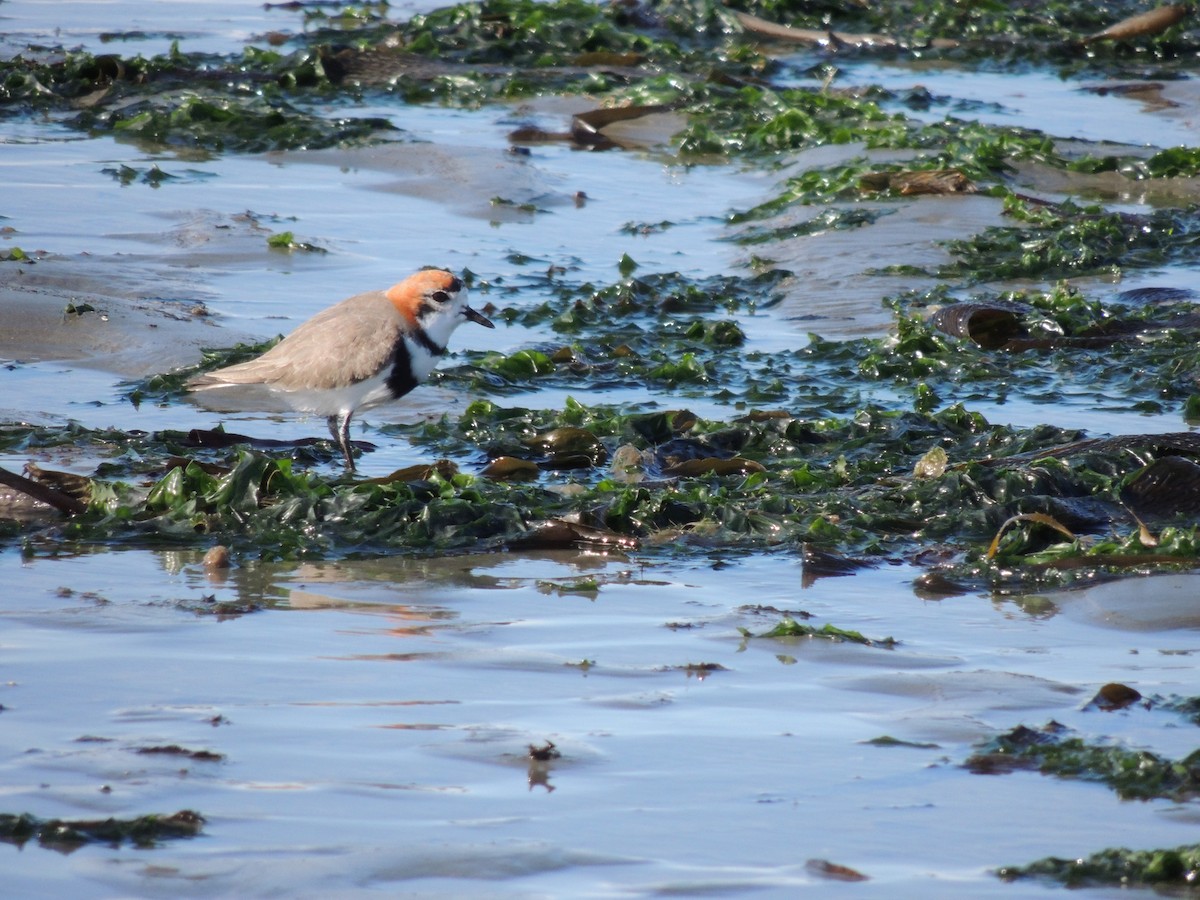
<point>106,313</point>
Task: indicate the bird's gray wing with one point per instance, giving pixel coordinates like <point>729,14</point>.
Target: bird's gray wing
<point>341,345</point>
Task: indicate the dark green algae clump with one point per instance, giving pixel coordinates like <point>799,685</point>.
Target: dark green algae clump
<point>68,834</point>
<point>1177,867</point>
<point>1057,751</point>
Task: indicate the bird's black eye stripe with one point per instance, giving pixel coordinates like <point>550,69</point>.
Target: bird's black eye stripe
<point>441,296</point>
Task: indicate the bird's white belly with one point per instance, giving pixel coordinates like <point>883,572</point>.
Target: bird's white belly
<point>365,394</point>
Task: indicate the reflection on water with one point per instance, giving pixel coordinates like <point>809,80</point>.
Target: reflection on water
<point>1160,603</point>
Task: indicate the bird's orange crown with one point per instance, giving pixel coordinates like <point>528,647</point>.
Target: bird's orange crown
<point>409,294</point>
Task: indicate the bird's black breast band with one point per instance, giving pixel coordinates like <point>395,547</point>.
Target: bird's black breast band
<point>400,380</point>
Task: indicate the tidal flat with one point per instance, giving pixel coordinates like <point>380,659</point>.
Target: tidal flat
<point>820,516</point>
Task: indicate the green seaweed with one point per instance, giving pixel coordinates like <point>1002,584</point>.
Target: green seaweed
<point>811,462</point>
<point>886,740</point>
<point>690,55</point>
<point>142,831</point>
<point>1067,240</point>
<point>167,387</point>
<point>220,124</point>
<point>286,240</point>
<point>1116,867</point>
<point>790,628</point>
<point>1054,750</point>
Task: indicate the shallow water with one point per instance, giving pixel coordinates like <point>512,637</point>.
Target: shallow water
<point>374,717</point>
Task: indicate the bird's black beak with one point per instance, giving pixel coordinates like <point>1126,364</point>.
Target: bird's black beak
<point>476,316</point>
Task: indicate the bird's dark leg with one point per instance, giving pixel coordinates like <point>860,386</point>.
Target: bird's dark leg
<point>339,427</point>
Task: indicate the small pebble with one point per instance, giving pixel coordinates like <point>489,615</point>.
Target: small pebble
<point>217,557</point>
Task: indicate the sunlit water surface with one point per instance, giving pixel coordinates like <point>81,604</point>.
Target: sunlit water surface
<point>374,722</point>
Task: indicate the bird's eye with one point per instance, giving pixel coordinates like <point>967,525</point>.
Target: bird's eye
<point>441,296</point>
